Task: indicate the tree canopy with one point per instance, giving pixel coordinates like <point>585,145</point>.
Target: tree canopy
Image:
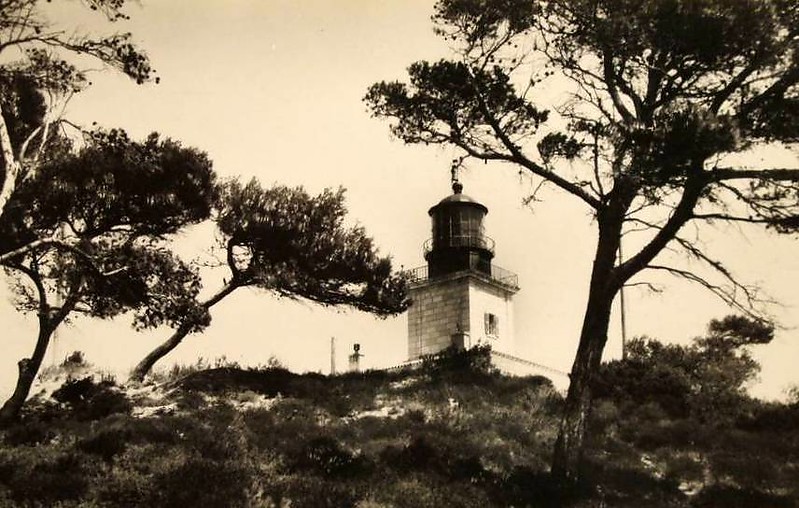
<point>39,64</point>
<point>706,379</point>
<point>653,100</point>
<point>295,245</point>
<point>87,234</point>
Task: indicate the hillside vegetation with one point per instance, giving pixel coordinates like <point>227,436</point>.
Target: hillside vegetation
<point>451,433</point>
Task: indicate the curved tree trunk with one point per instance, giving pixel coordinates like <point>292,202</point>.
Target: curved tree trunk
<point>163,349</point>
<point>146,364</point>
<point>49,320</point>
<point>28,368</point>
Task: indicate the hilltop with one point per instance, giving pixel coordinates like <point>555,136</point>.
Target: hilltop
<point>450,433</point>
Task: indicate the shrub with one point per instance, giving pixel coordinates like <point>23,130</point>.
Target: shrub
<point>683,467</point>
<point>46,479</point>
<point>719,496</point>
<point>106,444</point>
<point>448,457</point>
<point>771,417</point>
<point>423,491</point>
<point>313,491</point>
<point>187,400</point>
<point>89,400</point>
<point>526,487</point>
<point>30,431</point>
<point>459,364</point>
<point>628,484</point>
<point>324,455</point>
<point>202,482</point>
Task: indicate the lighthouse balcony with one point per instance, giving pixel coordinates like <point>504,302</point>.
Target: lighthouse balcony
<point>494,273</point>
<point>468,241</point>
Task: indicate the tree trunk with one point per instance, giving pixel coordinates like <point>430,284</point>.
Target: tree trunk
<point>28,368</point>
<point>606,281</point>
<point>604,285</point>
<point>163,349</point>
<point>143,367</point>
<point>11,166</point>
<point>568,453</point>
<point>49,320</point>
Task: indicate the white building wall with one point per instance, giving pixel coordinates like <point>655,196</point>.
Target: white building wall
<point>485,297</point>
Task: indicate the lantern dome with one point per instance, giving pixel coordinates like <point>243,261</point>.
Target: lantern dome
<point>458,198</point>
<point>459,241</point>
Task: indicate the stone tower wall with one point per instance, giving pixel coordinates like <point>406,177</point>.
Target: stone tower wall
<point>439,309</point>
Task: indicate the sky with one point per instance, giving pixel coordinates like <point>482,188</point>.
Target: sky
<point>273,89</point>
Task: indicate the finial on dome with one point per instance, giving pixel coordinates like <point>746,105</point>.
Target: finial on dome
<point>457,187</point>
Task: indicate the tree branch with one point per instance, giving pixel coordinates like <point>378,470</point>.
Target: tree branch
<point>682,213</point>
<point>519,158</point>
<point>610,80</point>
<point>60,244</point>
<point>716,265</point>
<point>731,218</point>
<point>724,294</point>
<point>34,276</point>
<point>778,174</point>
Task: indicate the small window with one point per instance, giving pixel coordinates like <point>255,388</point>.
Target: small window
<point>491,325</point>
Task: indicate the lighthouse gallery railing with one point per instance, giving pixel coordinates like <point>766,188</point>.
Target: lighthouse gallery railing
<point>504,277</point>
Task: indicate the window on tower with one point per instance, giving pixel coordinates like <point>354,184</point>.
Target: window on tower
<point>491,325</point>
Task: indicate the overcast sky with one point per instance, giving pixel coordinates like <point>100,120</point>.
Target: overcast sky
<point>273,89</point>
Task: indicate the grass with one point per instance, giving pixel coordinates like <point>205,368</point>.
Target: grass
<point>452,433</point>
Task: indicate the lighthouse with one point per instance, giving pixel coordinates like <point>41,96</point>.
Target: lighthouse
<point>460,298</point>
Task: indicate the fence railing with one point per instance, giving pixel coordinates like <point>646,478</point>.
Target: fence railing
<point>476,241</point>
<point>501,275</point>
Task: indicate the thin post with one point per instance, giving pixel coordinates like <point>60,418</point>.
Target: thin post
<point>61,289</point>
<point>623,311</point>
<point>332,356</point>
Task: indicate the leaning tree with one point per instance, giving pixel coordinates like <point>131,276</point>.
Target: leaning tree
<point>654,97</point>
<point>87,235</point>
<point>294,245</point>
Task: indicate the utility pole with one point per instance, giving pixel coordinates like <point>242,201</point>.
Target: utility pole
<point>623,310</point>
<point>332,356</point>
<point>60,295</point>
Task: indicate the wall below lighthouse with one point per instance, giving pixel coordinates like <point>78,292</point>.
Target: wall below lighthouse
<point>463,308</point>
<point>438,310</point>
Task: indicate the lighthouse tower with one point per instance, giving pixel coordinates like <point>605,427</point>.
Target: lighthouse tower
<point>459,298</point>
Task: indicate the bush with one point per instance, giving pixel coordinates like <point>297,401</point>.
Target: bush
<point>526,487</point>
<point>771,417</point>
<point>202,482</point>
<point>44,479</point>
<point>423,491</point>
<point>89,400</point>
<point>719,496</point>
<point>311,491</point>
<point>105,444</point>
<point>439,454</point>
<point>28,432</point>
<point>324,455</point>
<point>459,364</point>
